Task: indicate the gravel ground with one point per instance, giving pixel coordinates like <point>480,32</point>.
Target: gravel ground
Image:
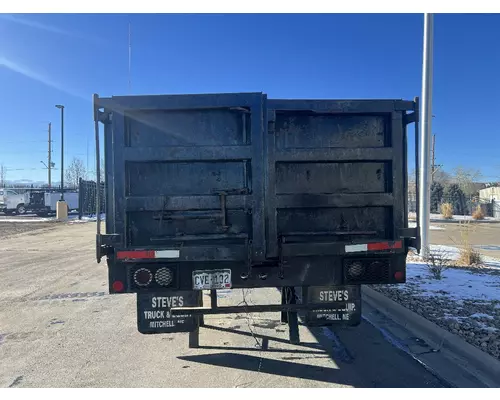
<point>476,321</point>
<point>9,229</point>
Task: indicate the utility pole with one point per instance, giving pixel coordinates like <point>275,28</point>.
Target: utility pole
<point>3,173</point>
<point>49,166</point>
<point>87,164</point>
<point>61,107</point>
<point>426,129</point>
<point>434,167</point>
<point>433,156</point>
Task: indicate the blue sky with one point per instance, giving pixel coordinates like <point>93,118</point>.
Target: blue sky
<point>63,59</point>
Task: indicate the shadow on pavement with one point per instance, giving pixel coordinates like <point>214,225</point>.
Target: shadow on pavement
<point>270,366</point>
<point>287,351</point>
<point>293,368</point>
<point>316,346</point>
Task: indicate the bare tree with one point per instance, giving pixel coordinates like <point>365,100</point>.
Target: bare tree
<point>3,175</point>
<point>442,177</point>
<point>92,174</point>
<point>75,171</point>
<point>466,178</point>
<point>412,191</point>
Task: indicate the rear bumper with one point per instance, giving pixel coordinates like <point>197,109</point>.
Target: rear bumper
<point>380,268</point>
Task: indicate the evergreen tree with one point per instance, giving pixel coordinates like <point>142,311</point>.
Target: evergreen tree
<point>454,195</point>
<point>436,196</point>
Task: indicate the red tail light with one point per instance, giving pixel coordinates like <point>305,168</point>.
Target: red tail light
<point>399,276</point>
<point>118,286</point>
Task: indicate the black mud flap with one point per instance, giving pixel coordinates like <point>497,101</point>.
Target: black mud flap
<point>153,312</point>
<point>347,301</point>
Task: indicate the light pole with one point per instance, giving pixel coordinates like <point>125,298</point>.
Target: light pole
<point>62,150</point>
<point>425,138</point>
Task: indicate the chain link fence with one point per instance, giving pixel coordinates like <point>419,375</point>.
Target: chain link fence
<point>87,198</point>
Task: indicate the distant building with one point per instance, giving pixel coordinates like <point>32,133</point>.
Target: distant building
<point>478,186</point>
<point>490,194</point>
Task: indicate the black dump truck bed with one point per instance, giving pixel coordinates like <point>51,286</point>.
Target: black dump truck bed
<point>285,193</point>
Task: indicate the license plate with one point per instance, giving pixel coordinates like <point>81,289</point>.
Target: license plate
<point>213,279</point>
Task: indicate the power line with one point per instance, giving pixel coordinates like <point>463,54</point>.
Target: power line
<point>25,141</point>
<point>29,169</point>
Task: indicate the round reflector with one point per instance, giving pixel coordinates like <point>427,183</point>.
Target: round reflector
<point>356,269</point>
<point>163,276</point>
<point>117,286</point>
<point>143,277</point>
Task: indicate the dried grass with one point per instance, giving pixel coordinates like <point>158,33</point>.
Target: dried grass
<point>437,262</point>
<point>478,213</point>
<point>468,255</point>
<point>447,210</point>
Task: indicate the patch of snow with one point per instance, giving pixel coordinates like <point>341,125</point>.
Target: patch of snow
<point>453,318</point>
<point>89,218</point>
<point>491,263</point>
<point>481,315</point>
<point>439,217</point>
<point>453,253</point>
<point>432,227</point>
<point>456,284</point>
<point>26,220</point>
<point>490,329</point>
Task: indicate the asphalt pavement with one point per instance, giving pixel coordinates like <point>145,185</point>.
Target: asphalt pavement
<point>60,328</point>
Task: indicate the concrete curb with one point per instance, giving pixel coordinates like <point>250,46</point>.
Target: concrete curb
<point>476,362</point>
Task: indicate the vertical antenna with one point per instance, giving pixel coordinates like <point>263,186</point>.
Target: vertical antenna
<point>129,56</point>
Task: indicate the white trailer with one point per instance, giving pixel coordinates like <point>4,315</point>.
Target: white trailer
<point>70,198</point>
<point>12,202</point>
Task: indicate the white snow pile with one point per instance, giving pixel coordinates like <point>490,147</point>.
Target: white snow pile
<point>26,220</point>
<point>73,219</point>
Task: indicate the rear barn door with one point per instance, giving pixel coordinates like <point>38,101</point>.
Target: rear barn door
<point>191,174</point>
<point>335,173</point>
